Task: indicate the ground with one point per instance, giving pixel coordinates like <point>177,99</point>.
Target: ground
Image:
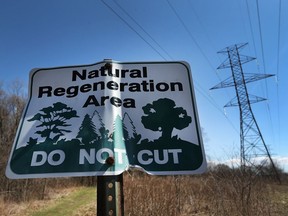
<point>181,196</point>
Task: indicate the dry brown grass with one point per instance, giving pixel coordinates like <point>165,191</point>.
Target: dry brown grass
<point>215,193</point>
<point>210,194</point>
<point>12,208</point>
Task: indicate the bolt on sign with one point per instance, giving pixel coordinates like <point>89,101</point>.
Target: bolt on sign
<point>103,118</point>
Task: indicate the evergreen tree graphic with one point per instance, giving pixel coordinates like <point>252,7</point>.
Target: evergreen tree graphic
<point>53,119</point>
<point>119,130</point>
<point>87,131</point>
<point>132,136</point>
<point>102,130</point>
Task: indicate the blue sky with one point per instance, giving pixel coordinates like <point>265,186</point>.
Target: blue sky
<point>40,34</point>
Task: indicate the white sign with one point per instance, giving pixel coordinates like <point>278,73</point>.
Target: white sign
<point>135,114</point>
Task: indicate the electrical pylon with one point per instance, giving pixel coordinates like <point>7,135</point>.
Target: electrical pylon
<point>252,144</point>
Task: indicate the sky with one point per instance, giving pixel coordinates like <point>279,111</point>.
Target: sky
<point>43,34</point>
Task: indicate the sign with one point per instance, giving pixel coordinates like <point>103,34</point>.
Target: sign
<point>103,118</point>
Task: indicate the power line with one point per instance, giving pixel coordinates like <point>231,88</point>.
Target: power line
<point>203,27</point>
<point>191,36</point>
<point>278,44</point>
<point>251,28</point>
<point>149,35</point>
<point>261,38</point>
<point>279,30</point>
<point>264,64</point>
<point>133,29</point>
<point>193,39</point>
<point>199,88</point>
<point>277,69</point>
<point>261,43</point>
<point>211,100</point>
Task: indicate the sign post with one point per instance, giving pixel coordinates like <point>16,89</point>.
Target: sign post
<point>110,198</point>
<point>139,114</point>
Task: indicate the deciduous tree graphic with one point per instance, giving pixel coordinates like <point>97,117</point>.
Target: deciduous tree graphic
<point>163,115</point>
<point>54,119</point>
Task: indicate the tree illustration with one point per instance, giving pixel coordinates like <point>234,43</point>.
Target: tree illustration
<point>119,129</point>
<point>54,119</point>
<point>132,134</point>
<point>163,115</point>
<point>102,130</point>
<point>104,133</point>
<point>87,130</point>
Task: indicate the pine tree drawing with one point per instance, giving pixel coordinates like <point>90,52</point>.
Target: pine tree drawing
<point>132,136</point>
<point>87,131</point>
<point>102,130</point>
<point>119,130</point>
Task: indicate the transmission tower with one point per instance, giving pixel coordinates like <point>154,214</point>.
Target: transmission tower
<point>252,144</point>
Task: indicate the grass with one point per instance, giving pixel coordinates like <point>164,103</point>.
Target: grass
<point>214,194</point>
<point>280,200</point>
<point>71,204</point>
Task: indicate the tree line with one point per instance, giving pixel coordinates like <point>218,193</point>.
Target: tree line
<point>12,103</point>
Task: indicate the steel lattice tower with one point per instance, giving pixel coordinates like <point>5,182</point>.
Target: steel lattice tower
<point>252,144</point>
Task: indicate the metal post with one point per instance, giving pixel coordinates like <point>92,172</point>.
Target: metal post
<point>110,198</point>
